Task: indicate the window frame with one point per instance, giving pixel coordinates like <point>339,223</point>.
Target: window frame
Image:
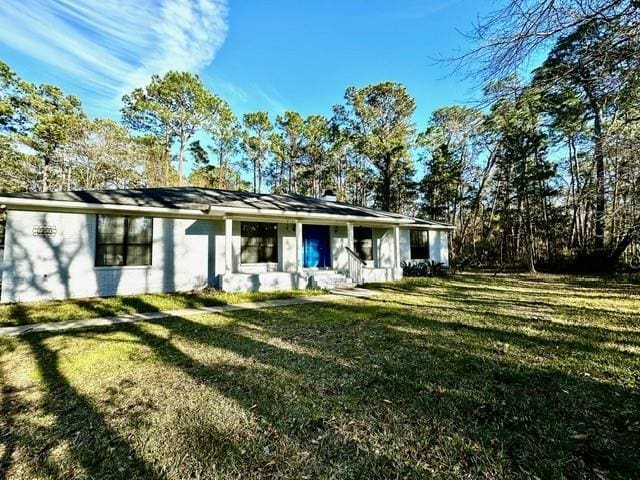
<point>125,243</point>
<point>260,248</point>
<point>358,248</point>
<point>425,245</point>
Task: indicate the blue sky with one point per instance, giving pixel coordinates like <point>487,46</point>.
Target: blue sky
<point>271,55</point>
<point>302,55</point>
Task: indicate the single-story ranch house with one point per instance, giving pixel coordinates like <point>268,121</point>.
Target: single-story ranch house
<point>115,242</point>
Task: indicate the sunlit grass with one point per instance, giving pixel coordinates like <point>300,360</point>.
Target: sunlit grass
<point>58,311</point>
<point>471,376</point>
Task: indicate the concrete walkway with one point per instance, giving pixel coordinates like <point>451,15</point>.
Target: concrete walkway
<point>333,295</point>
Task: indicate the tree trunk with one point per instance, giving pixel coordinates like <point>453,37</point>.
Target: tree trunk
<point>545,215</point>
<point>293,187</point>
<point>167,158</point>
<point>614,197</point>
<point>573,235</point>
<point>255,176</point>
<point>386,185</point>
<point>531,238</point>
<point>600,187</point>
<point>630,235</point>
<point>180,160</point>
<point>45,174</point>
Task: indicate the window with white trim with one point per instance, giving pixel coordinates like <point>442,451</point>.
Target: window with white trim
<point>259,242</point>
<point>122,241</point>
<point>419,244</point>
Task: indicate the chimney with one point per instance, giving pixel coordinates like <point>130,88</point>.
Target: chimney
<point>328,196</point>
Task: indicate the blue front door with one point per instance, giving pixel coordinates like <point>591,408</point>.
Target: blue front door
<point>317,248</point>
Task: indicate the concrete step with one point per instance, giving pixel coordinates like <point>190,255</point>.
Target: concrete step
<point>332,285</point>
<point>329,275</point>
<point>331,280</point>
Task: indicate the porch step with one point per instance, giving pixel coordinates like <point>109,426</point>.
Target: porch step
<point>331,281</point>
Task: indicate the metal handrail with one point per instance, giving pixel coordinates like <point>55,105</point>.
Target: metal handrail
<point>355,267</point>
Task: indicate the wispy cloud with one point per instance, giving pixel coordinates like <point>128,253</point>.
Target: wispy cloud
<point>272,99</point>
<point>112,46</point>
<point>228,90</point>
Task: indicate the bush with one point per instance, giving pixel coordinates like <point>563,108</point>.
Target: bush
<point>430,268</point>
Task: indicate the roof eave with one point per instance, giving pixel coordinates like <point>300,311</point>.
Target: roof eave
<point>434,226</point>
<point>206,210</point>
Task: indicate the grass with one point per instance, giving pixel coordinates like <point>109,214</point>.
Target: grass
<point>60,311</point>
<point>465,377</point>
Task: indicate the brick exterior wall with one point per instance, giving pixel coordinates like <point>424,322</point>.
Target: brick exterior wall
<point>38,267</point>
<point>187,254</point>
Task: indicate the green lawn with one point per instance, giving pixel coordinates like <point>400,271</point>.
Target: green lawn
<point>59,311</point>
<point>464,377</point>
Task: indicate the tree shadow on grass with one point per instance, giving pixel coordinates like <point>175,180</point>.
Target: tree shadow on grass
<point>543,285</point>
<point>540,336</point>
<point>94,445</point>
<point>18,313</point>
<point>579,336</point>
<point>35,312</point>
<point>502,406</point>
<point>439,402</point>
<point>621,326</point>
<point>614,283</point>
<point>8,407</point>
<point>73,309</point>
<point>537,301</point>
<point>533,412</point>
<point>301,421</point>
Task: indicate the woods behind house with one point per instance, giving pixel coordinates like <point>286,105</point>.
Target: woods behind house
<point>543,172</point>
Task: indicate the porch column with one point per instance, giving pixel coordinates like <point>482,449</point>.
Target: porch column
<point>228,244</point>
<point>299,246</point>
<point>350,235</point>
<point>396,242</point>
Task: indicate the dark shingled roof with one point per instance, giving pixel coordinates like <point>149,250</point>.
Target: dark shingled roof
<point>200,198</point>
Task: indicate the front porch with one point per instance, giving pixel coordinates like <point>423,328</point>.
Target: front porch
<point>267,256</point>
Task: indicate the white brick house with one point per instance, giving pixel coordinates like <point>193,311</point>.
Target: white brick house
<point>115,242</point>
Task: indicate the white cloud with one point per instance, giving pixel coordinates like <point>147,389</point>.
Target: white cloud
<point>227,90</point>
<point>272,99</point>
<point>112,46</point>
